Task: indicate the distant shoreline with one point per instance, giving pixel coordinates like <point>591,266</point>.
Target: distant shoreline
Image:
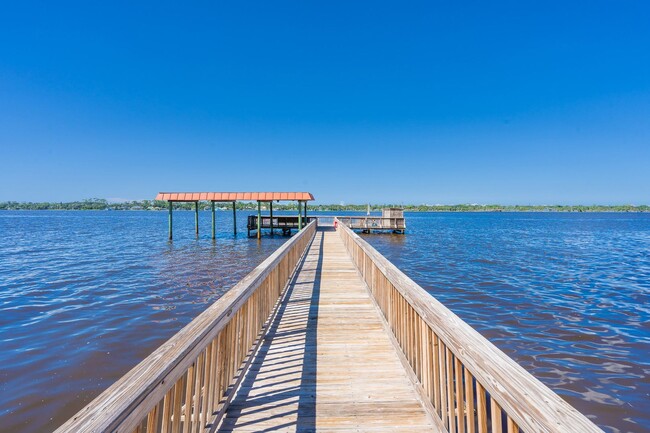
<point>153,205</point>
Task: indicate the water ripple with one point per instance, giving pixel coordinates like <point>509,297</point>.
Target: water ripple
<point>566,295</point>
<point>87,295</point>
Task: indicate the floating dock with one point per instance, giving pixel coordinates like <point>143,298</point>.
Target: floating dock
<point>327,335</point>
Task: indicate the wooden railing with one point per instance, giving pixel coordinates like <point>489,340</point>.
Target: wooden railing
<point>279,221</point>
<point>467,383</point>
<point>373,222</point>
<point>186,383</point>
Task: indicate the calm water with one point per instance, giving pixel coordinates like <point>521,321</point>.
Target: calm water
<point>86,295</point>
<point>566,295</point>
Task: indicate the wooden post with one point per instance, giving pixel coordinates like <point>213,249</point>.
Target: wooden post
<point>299,216</point>
<point>271,208</point>
<point>259,220</point>
<point>196,217</point>
<point>170,220</point>
<point>234,217</point>
<point>213,219</point>
<point>305,204</point>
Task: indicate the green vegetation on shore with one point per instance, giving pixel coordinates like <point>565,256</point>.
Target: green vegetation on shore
<point>102,204</point>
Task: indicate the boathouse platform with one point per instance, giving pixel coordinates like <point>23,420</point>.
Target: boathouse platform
<point>326,335</point>
<point>284,223</point>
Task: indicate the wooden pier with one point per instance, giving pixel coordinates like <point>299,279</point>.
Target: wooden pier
<point>326,362</point>
<point>391,219</point>
<point>369,224</point>
<point>328,335</point>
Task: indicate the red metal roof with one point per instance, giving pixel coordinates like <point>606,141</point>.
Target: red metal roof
<point>234,196</point>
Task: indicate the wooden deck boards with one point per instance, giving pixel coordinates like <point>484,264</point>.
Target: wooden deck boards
<point>326,363</point>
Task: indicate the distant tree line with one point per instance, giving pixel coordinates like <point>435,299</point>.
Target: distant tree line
<point>102,204</point>
<point>486,208</point>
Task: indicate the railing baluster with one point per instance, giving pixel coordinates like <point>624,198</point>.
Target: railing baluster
<point>152,419</point>
<point>166,413</point>
<point>512,427</point>
<point>469,399</point>
<point>198,383</point>
<point>436,374</point>
<point>495,416</point>
<point>213,378</point>
<point>481,408</point>
<point>206,385</point>
<point>221,367</point>
<point>189,398</point>
<point>425,370</point>
<point>442,366</point>
<point>178,402</point>
<point>460,400</point>
<point>450,390</point>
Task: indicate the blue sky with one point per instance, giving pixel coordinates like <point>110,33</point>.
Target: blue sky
<point>419,102</point>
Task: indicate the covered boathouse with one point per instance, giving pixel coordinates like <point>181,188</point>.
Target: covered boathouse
<point>255,222</point>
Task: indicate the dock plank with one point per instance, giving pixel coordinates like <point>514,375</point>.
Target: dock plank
<point>326,363</point>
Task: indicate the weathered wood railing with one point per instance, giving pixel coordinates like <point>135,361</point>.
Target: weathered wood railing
<point>185,384</point>
<point>467,383</point>
<point>373,222</point>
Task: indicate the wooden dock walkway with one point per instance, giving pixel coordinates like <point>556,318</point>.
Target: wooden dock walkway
<point>326,362</point>
<point>328,335</point>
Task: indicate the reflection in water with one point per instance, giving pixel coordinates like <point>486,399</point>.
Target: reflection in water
<point>566,295</point>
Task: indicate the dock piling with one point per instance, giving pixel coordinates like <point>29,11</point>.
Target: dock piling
<point>196,217</point>
<point>170,220</point>
<point>213,220</point>
<point>234,218</point>
<point>299,216</point>
<point>271,209</point>
<point>259,220</point>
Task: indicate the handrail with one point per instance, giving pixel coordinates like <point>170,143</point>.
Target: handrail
<point>373,222</point>
<point>466,380</point>
<point>184,383</point>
